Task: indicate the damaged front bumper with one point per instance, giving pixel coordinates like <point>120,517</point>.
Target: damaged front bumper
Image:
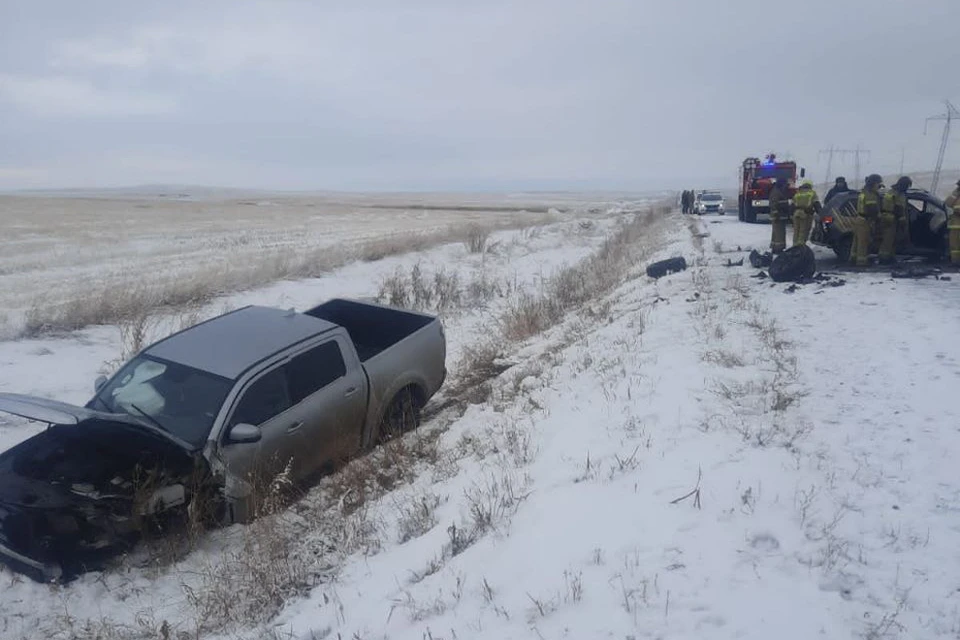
<point>37,569</point>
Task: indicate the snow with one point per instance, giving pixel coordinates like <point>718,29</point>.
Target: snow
<point>700,456</point>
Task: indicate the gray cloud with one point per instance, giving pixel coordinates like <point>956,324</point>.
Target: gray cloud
<point>428,94</point>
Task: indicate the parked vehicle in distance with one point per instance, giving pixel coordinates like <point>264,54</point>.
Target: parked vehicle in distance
<point>926,225</point>
<point>204,415</point>
<point>709,202</point>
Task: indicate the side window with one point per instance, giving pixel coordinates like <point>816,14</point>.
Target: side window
<point>264,399</point>
<point>915,205</point>
<point>311,371</point>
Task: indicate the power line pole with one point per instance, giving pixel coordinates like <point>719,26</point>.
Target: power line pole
<point>829,153</point>
<point>902,152</point>
<point>843,153</point>
<point>947,117</point>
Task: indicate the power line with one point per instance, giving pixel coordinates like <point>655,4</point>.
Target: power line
<point>947,117</point>
<point>845,153</point>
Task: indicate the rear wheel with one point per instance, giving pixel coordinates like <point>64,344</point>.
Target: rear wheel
<point>401,416</point>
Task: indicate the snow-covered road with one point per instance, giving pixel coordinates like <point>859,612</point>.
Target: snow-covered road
<point>880,366</point>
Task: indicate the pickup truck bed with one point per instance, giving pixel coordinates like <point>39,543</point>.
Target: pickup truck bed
<point>372,328</point>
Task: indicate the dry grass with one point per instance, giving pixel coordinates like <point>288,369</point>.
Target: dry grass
<point>441,292</point>
<point>478,367</point>
<point>477,238</point>
<point>570,288</point>
<point>109,304</point>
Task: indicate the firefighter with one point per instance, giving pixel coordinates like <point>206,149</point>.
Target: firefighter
<point>868,209</point>
<point>805,205</point>
<point>953,225</point>
<point>839,186</point>
<point>893,212</point>
<point>779,213</point>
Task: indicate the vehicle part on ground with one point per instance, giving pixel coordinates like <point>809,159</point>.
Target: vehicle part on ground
<point>756,181</point>
<point>760,260</point>
<point>663,267</point>
<point>793,265</point>
<point>915,273</point>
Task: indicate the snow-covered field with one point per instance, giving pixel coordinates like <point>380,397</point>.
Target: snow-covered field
<point>704,456</point>
<point>78,258</point>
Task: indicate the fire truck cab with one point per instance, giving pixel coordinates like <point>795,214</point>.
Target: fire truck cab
<point>756,181</point>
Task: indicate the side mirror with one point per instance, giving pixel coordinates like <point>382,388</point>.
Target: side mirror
<point>803,172</point>
<point>243,433</point>
<point>98,383</point>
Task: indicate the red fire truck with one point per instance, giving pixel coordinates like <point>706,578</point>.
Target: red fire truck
<point>756,180</point>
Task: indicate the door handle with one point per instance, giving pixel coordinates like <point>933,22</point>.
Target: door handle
<point>349,392</point>
<point>293,428</point>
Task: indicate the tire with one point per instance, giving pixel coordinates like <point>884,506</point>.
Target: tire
<point>793,265</point>
<point>844,248</point>
<point>749,215</point>
<point>401,416</point>
<point>740,208</point>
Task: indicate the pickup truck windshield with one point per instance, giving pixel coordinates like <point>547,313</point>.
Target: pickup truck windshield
<point>180,400</point>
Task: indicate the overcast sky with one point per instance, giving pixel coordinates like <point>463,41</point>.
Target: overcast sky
<point>459,95</point>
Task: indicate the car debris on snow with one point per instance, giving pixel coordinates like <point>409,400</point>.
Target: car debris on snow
<point>663,267</point>
<point>759,260</point>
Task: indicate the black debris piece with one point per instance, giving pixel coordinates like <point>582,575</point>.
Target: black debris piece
<point>663,267</point>
<point>793,265</point>
<point>731,263</point>
<point>914,272</point>
<point>759,260</point>
<point>762,275</point>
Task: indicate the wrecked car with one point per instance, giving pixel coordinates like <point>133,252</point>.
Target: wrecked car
<point>926,226</point>
<point>201,417</point>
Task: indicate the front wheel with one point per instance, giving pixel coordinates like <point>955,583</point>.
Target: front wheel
<point>844,248</point>
<point>749,215</point>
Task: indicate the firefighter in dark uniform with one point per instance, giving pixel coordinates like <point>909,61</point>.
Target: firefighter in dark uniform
<point>779,214</point>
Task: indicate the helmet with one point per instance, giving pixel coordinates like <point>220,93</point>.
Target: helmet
<point>807,183</point>
<point>873,179</point>
<point>841,179</point>
<point>903,183</point>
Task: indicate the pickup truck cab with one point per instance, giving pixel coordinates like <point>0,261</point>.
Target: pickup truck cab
<point>232,401</point>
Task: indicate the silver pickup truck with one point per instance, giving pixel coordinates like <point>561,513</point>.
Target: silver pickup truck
<point>227,403</point>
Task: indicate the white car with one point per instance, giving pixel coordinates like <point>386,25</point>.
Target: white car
<point>709,203</point>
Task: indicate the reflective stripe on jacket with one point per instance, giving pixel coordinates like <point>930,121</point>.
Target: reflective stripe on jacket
<point>868,204</point>
<point>804,199</point>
